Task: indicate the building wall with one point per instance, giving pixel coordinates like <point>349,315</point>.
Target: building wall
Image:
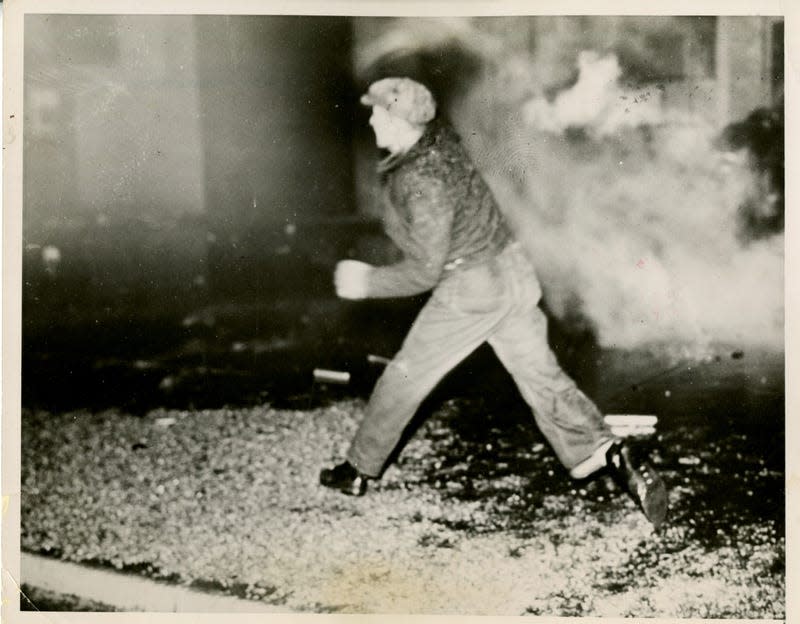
<point>276,119</point>
<point>164,155</point>
<point>749,75</point>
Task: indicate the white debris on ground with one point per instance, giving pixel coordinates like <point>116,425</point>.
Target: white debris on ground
<point>229,499</point>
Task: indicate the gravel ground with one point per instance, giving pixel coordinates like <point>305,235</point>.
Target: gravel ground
<point>476,516</point>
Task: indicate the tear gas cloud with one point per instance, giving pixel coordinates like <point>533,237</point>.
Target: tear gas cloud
<point>626,206</point>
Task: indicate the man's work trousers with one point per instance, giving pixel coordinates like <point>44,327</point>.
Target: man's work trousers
<point>496,301</point>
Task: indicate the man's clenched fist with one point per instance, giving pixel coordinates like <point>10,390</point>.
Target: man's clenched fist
<point>350,279</point>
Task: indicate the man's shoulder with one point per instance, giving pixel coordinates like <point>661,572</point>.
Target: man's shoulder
<point>425,164</point>
<point>439,157</point>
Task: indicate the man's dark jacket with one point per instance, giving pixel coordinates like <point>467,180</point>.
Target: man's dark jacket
<point>439,212</point>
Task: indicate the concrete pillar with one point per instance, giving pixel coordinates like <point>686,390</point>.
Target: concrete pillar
<point>743,66</point>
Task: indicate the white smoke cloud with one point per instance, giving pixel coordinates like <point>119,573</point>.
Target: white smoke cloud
<point>596,103</point>
<point>633,222</point>
<point>639,232</point>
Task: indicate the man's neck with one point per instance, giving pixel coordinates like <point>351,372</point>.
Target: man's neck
<point>407,141</point>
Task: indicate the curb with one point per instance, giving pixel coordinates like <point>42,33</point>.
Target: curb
<point>127,592</point>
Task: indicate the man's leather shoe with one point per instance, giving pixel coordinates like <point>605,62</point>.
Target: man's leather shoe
<point>641,480</point>
<point>344,478</point>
